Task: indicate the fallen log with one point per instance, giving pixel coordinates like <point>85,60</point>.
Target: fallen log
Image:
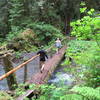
<point>49,67</point>
<point>42,78</point>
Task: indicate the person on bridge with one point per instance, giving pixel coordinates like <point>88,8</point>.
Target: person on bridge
<point>43,57</point>
<point>58,44</point>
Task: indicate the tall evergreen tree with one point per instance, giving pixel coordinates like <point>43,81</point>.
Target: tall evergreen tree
<point>4,17</point>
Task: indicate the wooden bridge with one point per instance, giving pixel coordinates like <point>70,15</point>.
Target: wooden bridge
<point>39,78</point>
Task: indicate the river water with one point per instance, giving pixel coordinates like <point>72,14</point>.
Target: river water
<point>60,77</point>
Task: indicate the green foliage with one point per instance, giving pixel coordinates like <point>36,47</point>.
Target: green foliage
<point>67,62</point>
<point>5,96</point>
<point>82,93</point>
<point>82,48</point>
<point>75,47</point>
<point>82,10</point>
<point>72,97</point>
<point>82,3</point>
<point>86,54</point>
<point>51,92</point>
<point>83,28</point>
<point>87,92</point>
<point>24,12</point>
<point>20,90</point>
<point>45,32</point>
<point>17,54</point>
<point>16,11</point>
<point>14,33</point>
<point>87,27</point>
<point>42,34</point>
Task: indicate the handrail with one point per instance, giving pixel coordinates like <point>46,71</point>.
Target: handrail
<point>18,67</point>
<point>21,65</point>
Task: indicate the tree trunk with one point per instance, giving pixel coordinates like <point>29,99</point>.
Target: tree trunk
<point>25,73</point>
<point>67,24</point>
<point>4,15</point>
<point>26,7</point>
<point>11,79</point>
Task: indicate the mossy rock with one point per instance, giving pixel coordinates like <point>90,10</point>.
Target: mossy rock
<point>5,96</point>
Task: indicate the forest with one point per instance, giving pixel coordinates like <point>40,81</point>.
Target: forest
<point>27,26</point>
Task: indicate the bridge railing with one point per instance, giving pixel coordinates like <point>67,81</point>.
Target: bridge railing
<point>18,74</point>
<point>23,68</point>
<point>21,73</point>
<point>18,67</point>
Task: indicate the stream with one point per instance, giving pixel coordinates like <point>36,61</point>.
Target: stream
<point>60,77</point>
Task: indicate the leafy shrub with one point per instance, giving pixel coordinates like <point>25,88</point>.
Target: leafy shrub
<point>72,97</point>
<point>86,55</point>
<point>45,32</point>
<point>51,92</point>
<point>14,33</point>
<point>87,92</point>
<point>87,27</point>
<point>5,96</point>
<point>82,93</point>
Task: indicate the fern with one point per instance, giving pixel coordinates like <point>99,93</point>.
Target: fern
<point>88,92</point>
<point>72,97</point>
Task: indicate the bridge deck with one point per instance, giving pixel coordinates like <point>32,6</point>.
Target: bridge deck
<point>50,65</point>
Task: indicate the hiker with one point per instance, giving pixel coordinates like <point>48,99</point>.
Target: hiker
<point>43,57</point>
<point>58,44</point>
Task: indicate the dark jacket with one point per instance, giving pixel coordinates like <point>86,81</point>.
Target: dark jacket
<point>43,55</point>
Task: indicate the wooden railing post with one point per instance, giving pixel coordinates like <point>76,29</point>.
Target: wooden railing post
<point>25,73</point>
<point>11,80</point>
<point>18,67</point>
